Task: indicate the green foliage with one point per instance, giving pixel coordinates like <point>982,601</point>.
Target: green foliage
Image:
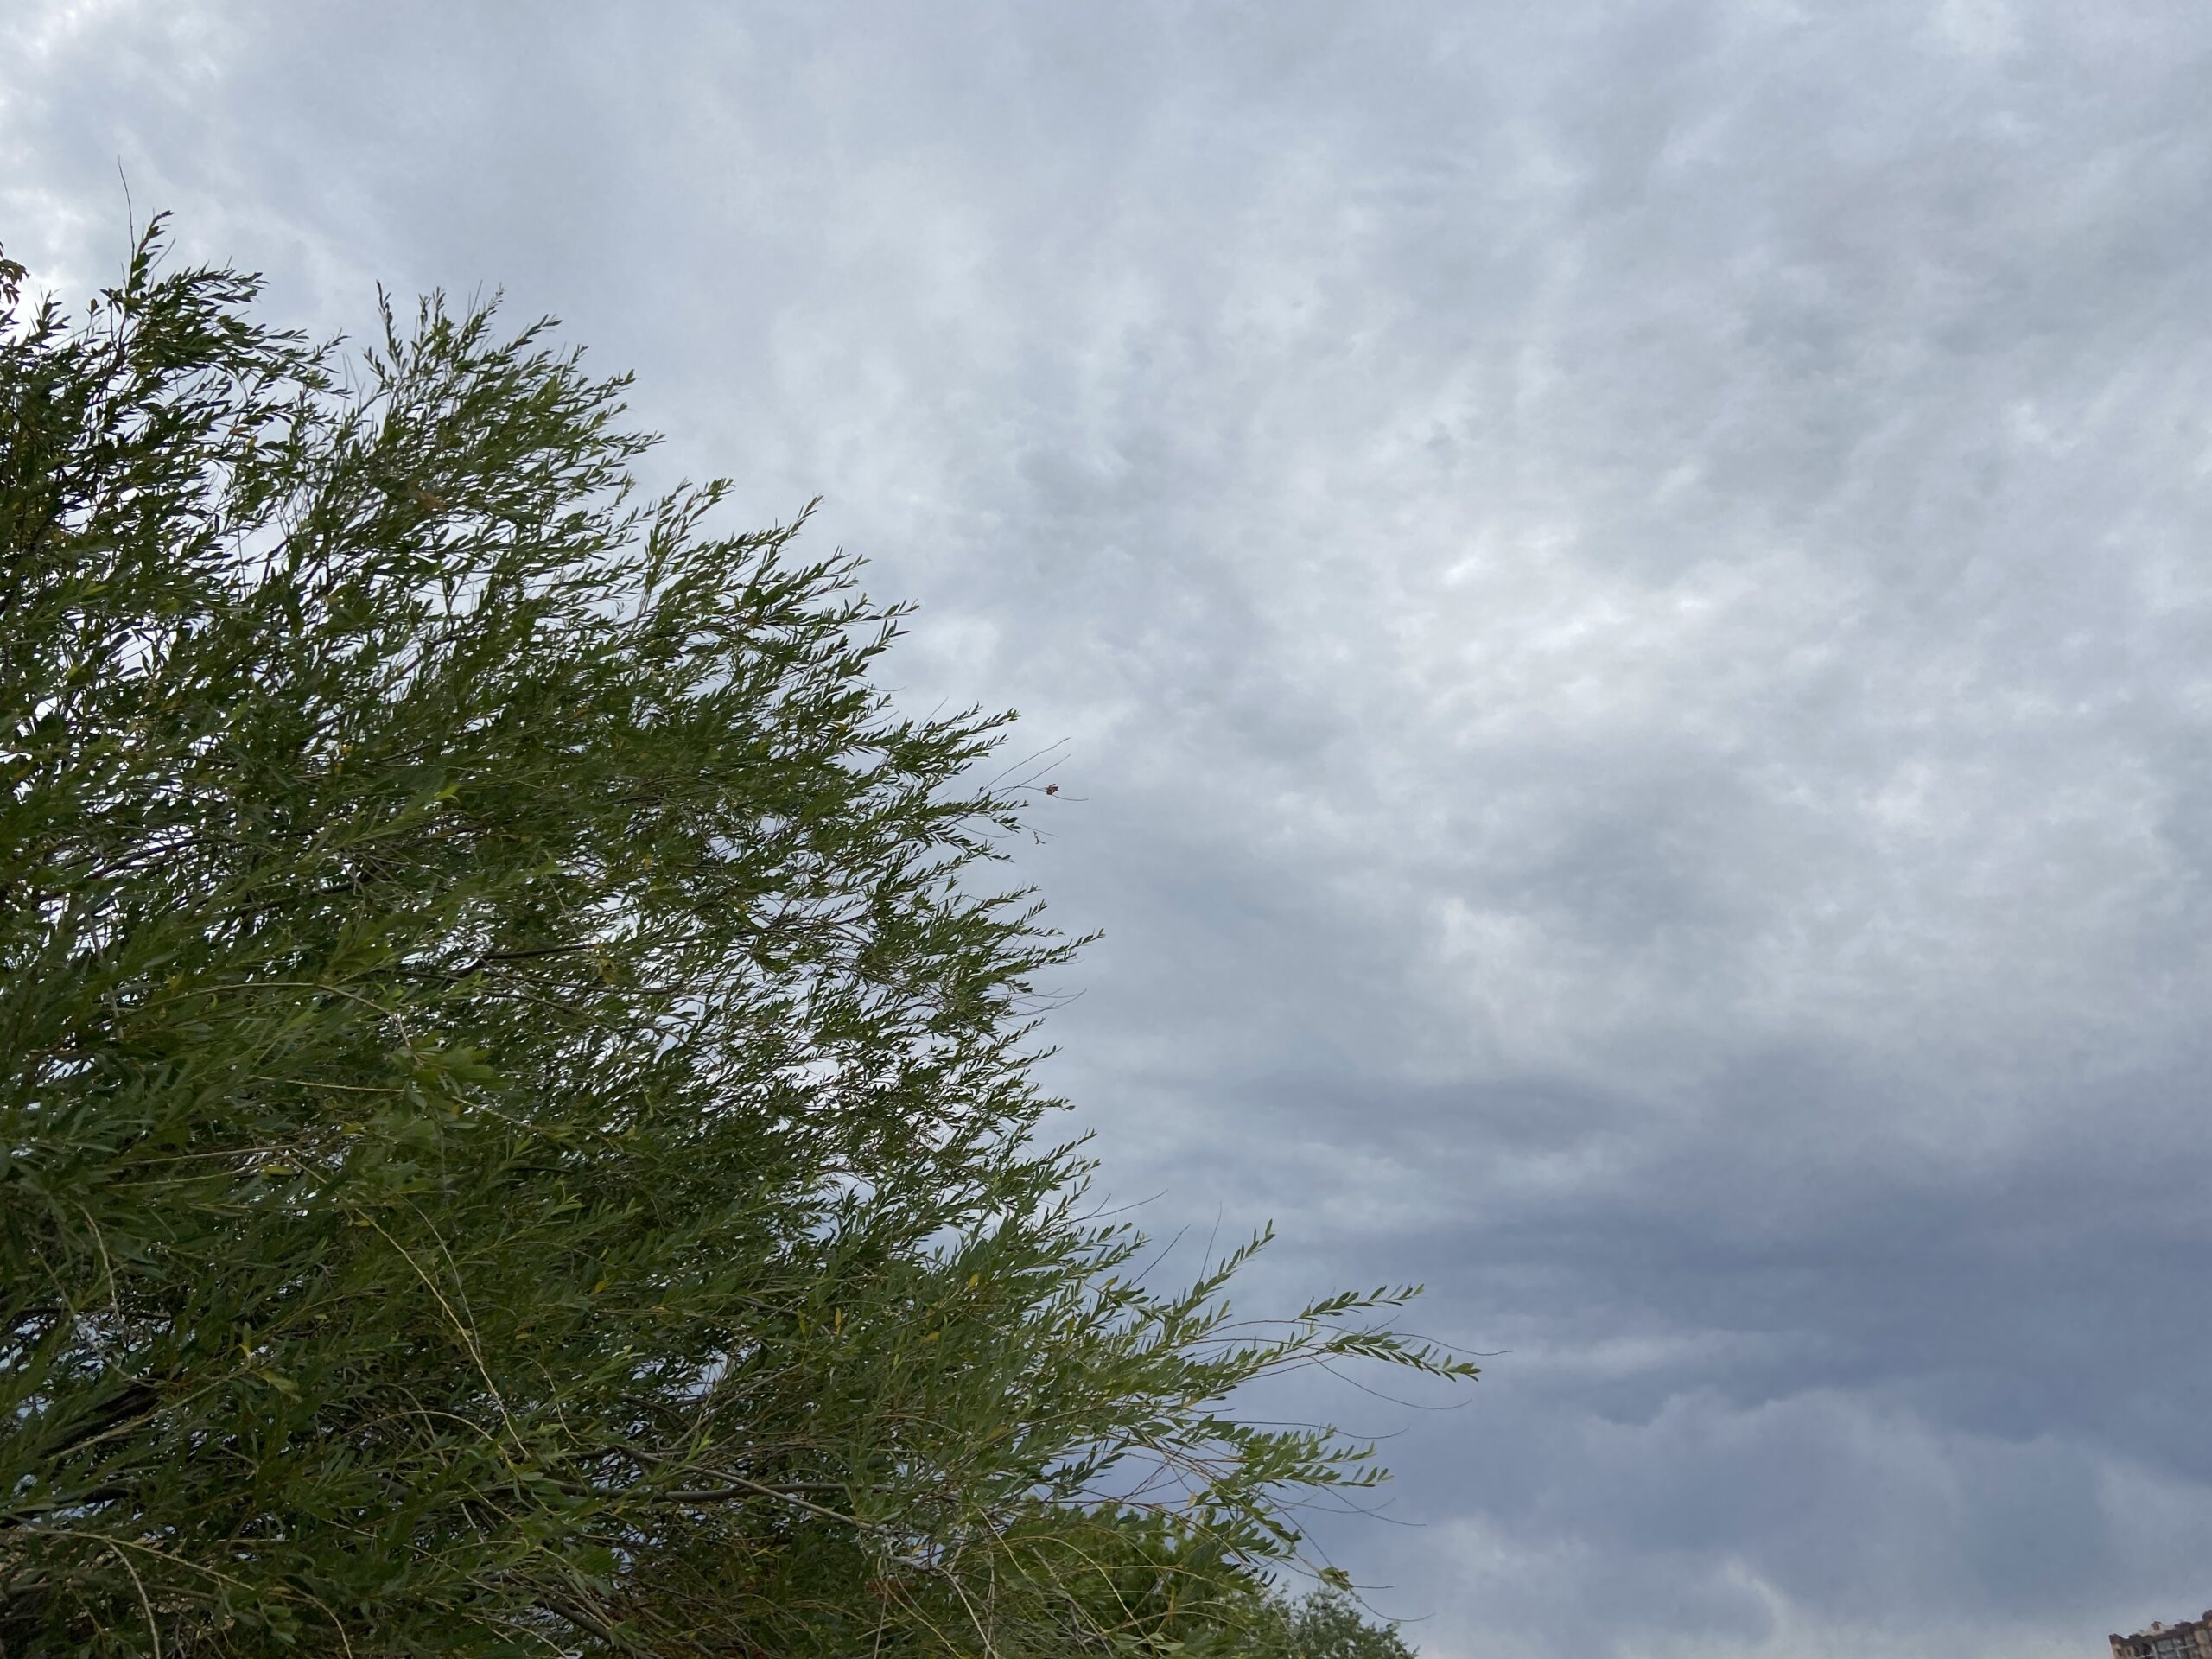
<point>1151,1587</point>
<point>517,1133</point>
<point>1328,1625</point>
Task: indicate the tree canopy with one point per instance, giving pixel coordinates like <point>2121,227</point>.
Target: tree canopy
<point>519,1132</point>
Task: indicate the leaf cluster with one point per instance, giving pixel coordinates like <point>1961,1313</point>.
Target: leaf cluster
<point>517,1122</point>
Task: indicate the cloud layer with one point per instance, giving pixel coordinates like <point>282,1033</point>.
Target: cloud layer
<point>1625,594</point>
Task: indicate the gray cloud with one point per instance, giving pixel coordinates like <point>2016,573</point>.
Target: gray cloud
<point>1625,594</point>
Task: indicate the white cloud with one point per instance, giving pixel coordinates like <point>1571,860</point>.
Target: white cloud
<point>1630,595</point>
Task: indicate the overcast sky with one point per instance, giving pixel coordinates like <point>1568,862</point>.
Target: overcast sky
<point>1625,592</point>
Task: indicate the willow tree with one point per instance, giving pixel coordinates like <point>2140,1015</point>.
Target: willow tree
<point>518,1131</point>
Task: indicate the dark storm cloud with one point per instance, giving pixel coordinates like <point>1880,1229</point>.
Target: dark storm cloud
<point>1625,589</point>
